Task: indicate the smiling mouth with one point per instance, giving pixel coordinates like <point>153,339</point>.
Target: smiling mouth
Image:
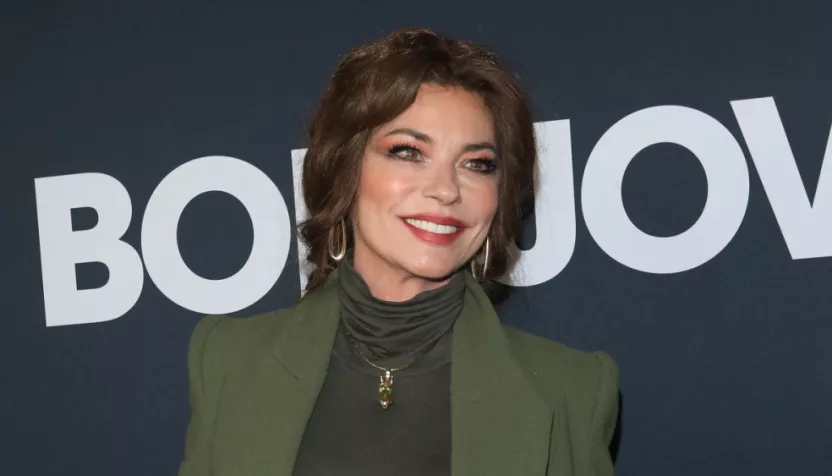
<point>432,227</point>
<point>435,229</point>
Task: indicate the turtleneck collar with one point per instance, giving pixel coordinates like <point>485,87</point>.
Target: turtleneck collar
<point>394,333</point>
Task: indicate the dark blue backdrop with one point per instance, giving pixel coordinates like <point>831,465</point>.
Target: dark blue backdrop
<point>724,367</point>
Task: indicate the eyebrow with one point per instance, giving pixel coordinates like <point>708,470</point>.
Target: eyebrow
<point>422,137</point>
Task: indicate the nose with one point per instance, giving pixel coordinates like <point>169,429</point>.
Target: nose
<point>443,185</point>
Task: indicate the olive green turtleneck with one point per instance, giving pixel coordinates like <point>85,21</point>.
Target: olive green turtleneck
<point>349,433</point>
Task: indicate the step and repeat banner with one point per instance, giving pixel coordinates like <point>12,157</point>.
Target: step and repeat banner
<point>683,221</point>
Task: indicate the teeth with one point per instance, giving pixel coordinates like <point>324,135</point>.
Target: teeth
<point>432,227</point>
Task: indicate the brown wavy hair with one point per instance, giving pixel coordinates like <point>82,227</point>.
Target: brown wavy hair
<point>372,85</point>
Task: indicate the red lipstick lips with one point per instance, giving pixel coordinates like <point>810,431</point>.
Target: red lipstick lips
<point>434,237</point>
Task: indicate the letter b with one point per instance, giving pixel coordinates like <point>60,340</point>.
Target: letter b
<point>61,248</point>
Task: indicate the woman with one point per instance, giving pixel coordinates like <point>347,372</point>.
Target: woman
<point>419,166</point>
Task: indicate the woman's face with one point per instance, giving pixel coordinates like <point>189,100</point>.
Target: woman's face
<point>428,189</point>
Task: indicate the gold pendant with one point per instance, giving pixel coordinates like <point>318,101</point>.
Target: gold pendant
<point>385,389</point>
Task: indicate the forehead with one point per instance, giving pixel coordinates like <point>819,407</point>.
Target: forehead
<point>447,114</point>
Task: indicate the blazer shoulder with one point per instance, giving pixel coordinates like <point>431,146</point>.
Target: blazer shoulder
<point>218,339</point>
<point>562,371</point>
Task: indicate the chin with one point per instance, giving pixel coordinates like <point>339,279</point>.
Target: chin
<point>433,271</point>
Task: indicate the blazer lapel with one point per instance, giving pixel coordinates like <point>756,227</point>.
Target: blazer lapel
<point>500,424</point>
<point>289,383</point>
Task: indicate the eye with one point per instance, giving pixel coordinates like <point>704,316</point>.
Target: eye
<point>404,152</point>
<point>483,165</point>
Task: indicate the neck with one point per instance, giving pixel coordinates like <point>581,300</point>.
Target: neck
<point>392,333</point>
<point>389,283</point>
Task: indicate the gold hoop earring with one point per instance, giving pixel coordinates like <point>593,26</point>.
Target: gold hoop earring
<point>338,253</point>
<point>486,257</point>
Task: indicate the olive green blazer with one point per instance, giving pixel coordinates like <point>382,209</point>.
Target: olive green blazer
<point>520,404</point>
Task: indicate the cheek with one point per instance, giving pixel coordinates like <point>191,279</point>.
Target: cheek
<point>484,201</point>
<point>369,185</point>
<point>378,187</point>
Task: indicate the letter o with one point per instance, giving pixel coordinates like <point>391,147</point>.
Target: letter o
<point>269,217</point>
<point>725,169</point>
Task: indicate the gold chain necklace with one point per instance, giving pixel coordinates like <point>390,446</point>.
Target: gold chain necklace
<point>385,386</point>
